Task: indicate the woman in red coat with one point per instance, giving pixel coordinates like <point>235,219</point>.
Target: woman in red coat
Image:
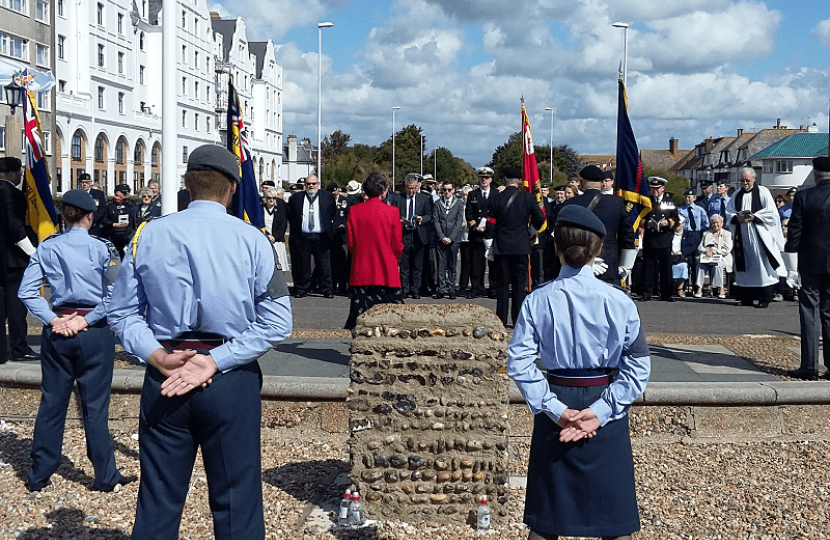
<point>375,242</point>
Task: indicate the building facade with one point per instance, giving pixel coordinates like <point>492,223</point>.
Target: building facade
<point>109,95</point>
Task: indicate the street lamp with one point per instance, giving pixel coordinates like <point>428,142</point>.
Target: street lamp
<point>422,154</point>
<point>14,95</point>
<point>551,144</point>
<point>393,146</point>
<point>624,25</point>
<point>320,27</point>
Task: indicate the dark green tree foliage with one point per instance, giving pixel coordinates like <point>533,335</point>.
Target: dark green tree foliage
<point>509,154</point>
<point>335,144</point>
<point>676,184</point>
<point>450,168</point>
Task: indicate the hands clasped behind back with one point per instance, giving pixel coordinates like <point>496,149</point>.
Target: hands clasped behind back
<point>185,370</point>
<point>577,425</point>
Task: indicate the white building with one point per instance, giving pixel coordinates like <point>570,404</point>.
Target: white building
<point>789,162</point>
<point>108,99</point>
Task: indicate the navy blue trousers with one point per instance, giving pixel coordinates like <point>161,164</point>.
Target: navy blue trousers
<point>88,359</point>
<point>224,419</point>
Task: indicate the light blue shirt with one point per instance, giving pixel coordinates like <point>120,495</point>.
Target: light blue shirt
<point>202,270</point>
<point>579,322</point>
<point>80,269</point>
<point>701,219</point>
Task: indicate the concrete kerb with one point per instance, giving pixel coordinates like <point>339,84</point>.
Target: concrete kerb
<point>657,394</point>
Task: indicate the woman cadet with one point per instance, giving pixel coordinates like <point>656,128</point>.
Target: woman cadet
<point>589,338</point>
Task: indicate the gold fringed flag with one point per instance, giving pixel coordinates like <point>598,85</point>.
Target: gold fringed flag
<point>630,184</point>
<point>41,214</point>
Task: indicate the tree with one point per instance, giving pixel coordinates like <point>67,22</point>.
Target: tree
<point>334,144</point>
<point>676,185</point>
<point>509,154</point>
<point>451,168</point>
<point>407,153</point>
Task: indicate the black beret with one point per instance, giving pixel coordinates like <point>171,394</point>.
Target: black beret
<point>706,183</point>
<point>331,187</point>
<point>656,181</point>
<point>573,215</point>
<point>80,199</point>
<point>689,191</point>
<point>212,157</point>
<point>544,186</point>
<point>269,183</point>
<point>123,188</point>
<point>609,174</point>
<point>10,164</point>
<point>720,181</point>
<point>822,164</point>
<point>511,173</point>
<point>592,173</point>
<point>84,176</point>
<point>560,187</point>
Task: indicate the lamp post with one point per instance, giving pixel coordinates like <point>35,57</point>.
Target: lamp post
<point>13,125</point>
<point>422,155</point>
<point>624,25</point>
<point>550,182</point>
<point>393,146</point>
<point>320,27</point>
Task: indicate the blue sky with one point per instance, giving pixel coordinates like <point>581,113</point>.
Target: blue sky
<point>457,69</point>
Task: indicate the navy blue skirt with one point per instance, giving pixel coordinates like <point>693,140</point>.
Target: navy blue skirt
<point>584,488</point>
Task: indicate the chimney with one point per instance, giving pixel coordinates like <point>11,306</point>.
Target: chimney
<point>673,145</point>
<point>709,144</point>
<point>778,123</point>
<point>740,132</point>
<point>812,129</point>
<point>214,16</point>
<point>292,148</point>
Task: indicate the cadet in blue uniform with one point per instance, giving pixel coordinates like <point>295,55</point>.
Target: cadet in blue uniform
<point>200,296</point>
<point>77,344</point>
<point>589,338</point>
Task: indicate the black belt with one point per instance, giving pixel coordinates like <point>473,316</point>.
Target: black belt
<point>194,341</point>
<point>69,309</point>
<point>582,377</point>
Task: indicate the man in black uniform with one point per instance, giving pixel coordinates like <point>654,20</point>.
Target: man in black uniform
<point>117,219</point>
<point>510,212</point>
<point>657,237</point>
<point>416,216</point>
<point>807,249</point>
<point>15,248</point>
<point>611,266</point>
<point>100,199</point>
<point>475,213</point>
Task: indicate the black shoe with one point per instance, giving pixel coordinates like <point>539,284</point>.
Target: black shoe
<point>803,374</point>
<point>438,296</point>
<point>452,296</point>
<point>492,296</point>
<point>27,354</point>
<point>416,296</point>
<point>762,305</point>
<point>121,481</point>
<point>668,299</point>
<point>645,298</point>
<point>328,295</point>
<point>300,295</point>
<point>39,487</point>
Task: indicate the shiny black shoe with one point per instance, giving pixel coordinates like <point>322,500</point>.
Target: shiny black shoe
<point>328,295</point>
<point>122,481</point>
<point>451,296</point>
<point>416,296</point>
<point>762,305</point>
<point>27,354</point>
<point>803,374</point>
<point>438,296</point>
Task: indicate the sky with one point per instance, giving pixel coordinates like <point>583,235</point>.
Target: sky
<point>459,68</point>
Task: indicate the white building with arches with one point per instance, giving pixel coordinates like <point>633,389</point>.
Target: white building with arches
<point>108,95</point>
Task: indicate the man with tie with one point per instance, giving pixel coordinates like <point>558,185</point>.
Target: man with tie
<point>481,232</point>
<point>695,223</point>
<point>310,215</point>
<point>448,218</point>
<point>416,215</point>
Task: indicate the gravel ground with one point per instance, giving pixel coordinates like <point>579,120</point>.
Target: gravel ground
<point>687,489</point>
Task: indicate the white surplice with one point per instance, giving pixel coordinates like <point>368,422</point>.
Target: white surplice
<point>764,230</point>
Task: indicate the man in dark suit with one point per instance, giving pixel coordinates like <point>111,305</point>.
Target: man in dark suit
<point>657,237</point>
<point>808,250</point>
<point>85,183</point>
<point>510,212</point>
<point>448,218</point>
<point>618,249</point>
<point>416,215</point>
<point>310,215</point>
<point>481,232</point>
<point>15,248</point>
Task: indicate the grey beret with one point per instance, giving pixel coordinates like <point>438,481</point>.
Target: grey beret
<point>80,199</point>
<point>212,157</point>
<point>573,215</point>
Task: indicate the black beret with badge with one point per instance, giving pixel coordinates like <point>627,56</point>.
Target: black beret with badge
<point>573,215</point>
<point>689,191</point>
<point>592,173</point>
<point>511,173</point>
<point>80,199</point>
<point>123,188</point>
<point>10,164</point>
<point>212,157</point>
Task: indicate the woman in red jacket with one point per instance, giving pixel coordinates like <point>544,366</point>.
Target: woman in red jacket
<point>375,242</point>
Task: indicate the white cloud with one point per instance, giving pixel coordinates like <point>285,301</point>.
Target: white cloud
<point>822,32</point>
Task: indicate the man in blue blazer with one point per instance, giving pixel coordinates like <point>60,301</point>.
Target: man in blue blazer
<point>310,216</point>
<point>416,215</point>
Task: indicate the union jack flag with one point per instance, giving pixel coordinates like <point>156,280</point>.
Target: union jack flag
<point>245,204</point>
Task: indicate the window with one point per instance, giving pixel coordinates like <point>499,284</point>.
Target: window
<point>769,166</point>
<point>99,149</point>
<point>101,59</point>
<point>184,54</point>
<point>141,74</point>
<point>196,25</point>
<point>119,151</point>
<point>101,97</point>
<point>101,14</point>
<point>196,89</point>
<point>207,93</point>
<point>121,24</point>
<point>196,59</point>
<point>120,62</point>
<point>62,86</point>
<point>207,124</point>
<point>14,46</point>
<point>121,102</point>
<point>141,41</point>
<point>154,157</point>
<point>3,137</point>
<point>42,11</point>
<point>76,147</point>
<point>61,47</point>
<point>16,5</point>
<point>184,118</point>
<point>43,102</point>
<point>184,19</point>
<point>184,86</point>
<point>207,64</point>
<point>184,154</point>
<point>784,166</point>
<point>59,7</point>
<point>42,54</point>
<point>196,121</point>
<point>137,155</point>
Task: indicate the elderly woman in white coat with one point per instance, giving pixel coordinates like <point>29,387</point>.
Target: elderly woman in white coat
<point>715,252</point>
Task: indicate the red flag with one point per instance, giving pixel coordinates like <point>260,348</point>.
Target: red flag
<point>530,171</point>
